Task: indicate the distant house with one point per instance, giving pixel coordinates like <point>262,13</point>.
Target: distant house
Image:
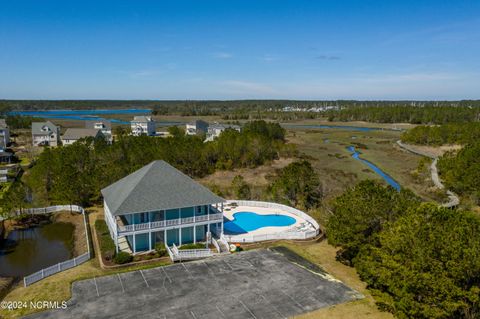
<point>5,157</point>
<point>216,129</point>
<point>72,135</point>
<point>45,134</point>
<point>143,125</point>
<point>3,175</point>
<point>196,127</point>
<point>104,125</point>
<point>159,204</point>
<point>4,134</point>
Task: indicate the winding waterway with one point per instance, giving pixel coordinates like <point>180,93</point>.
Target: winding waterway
<point>382,174</point>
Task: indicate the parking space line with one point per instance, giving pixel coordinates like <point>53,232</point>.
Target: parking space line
<point>296,302</point>
<point>188,271</point>
<point>96,287</point>
<point>193,314</point>
<point>170,280</point>
<point>248,309</point>
<point>221,312</point>
<point>141,272</point>
<point>121,283</point>
<point>273,307</point>
<point>209,269</point>
<point>228,265</point>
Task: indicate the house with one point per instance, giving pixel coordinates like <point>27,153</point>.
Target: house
<point>216,129</point>
<point>159,204</point>
<point>6,157</point>
<point>72,135</point>
<point>4,135</point>
<point>196,127</point>
<point>103,125</point>
<point>143,125</point>
<point>45,134</point>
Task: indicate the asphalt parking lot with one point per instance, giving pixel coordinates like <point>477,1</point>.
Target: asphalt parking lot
<point>253,284</point>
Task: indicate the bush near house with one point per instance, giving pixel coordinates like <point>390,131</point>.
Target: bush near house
<point>122,258</point>
<point>160,249</point>
<point>107,246</point>
<point>193,246</point>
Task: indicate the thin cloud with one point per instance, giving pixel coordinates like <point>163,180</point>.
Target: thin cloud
<point>327,57</point>
<point>223,55</point>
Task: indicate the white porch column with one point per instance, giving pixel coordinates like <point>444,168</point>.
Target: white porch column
<point>116,243</point>
<point>165,237</point>
<point>134,246</point>
<point>194,233</point>
<point>180,236</point>
<point>150,241</point>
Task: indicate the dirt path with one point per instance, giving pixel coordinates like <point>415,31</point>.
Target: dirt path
<point>453,199</point>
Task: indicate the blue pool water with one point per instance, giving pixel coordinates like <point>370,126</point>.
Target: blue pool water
<point>244,222</point>
<point>377,170</point>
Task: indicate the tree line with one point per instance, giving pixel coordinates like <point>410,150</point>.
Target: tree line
<point>453,133</point>
<point>428,114</point>
<point>460,171</point>
<point>419,260</point>
<point>76,173</point>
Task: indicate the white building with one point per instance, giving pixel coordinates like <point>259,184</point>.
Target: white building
<point>45,134</point>
<point>72,135</point>
<point>196,127</point>
<point>4,134</point>
<point>103,125</point>
<point>143,125</point>
<point>158,204</point>
<point>216,129</point>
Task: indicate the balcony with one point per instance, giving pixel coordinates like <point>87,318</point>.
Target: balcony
<point>168,223</point>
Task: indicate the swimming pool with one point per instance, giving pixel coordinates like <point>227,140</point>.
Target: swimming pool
<point>244,222</point>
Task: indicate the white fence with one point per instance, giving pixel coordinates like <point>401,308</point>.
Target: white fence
<point>64,265</point>
<point>187,254</point>
<point>292,234</point>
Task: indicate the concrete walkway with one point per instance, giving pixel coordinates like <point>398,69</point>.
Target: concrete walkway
<point>453,199</point>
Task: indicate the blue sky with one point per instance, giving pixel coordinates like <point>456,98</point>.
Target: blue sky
<point>302,49</point>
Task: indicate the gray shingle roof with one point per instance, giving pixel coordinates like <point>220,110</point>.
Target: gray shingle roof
<point>78,133</point>
<point>142,118</point>
<point>91,124</point>
<point>156,186</point>
<point>37,128</point>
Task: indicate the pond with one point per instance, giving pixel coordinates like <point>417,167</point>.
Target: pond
<point>383,175</point>
<point>26,251</point>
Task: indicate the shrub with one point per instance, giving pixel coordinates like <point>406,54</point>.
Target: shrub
<point>123,258</point>
<point>160,249</point>
<point>107,246</point>
<point>193,246</point>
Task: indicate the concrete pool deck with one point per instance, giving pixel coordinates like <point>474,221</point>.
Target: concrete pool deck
<point>300,223</point>
<point>265,283</point>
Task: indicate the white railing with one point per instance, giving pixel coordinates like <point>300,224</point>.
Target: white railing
<point>3,171</point>
<point>224,241</point>
<point>215,243</point>
<point>169,222</point>
<point>295,234</point>
<point>64,265</point>
<point>187,254</point>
